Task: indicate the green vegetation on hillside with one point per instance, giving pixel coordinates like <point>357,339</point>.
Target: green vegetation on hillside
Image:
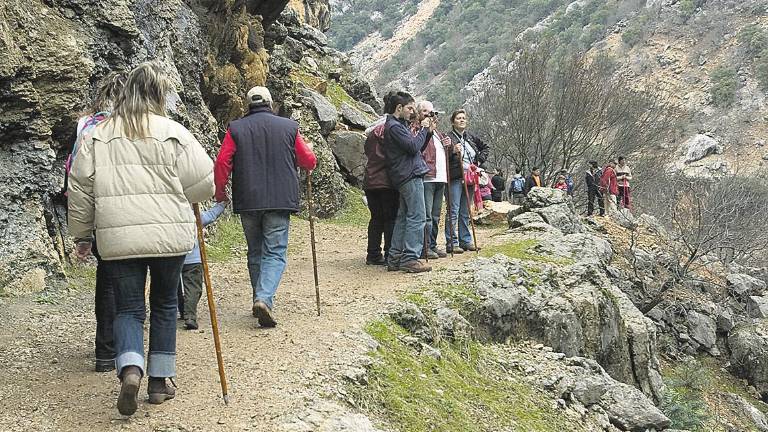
<point>352,26</point>
<point>725,82</point>
<point>465,390</point>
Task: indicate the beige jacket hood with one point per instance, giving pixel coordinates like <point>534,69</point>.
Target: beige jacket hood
<point>136,194</point>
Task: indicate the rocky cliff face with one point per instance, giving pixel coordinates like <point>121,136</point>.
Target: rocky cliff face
<point>54,52</point>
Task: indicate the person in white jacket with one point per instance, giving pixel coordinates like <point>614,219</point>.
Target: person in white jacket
<point>132,183</point>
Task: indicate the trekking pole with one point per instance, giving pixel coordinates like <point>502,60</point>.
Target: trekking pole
<point>448,217</point>
<point>211,304</point>
<point>469,208</point>
<point>312,238</point>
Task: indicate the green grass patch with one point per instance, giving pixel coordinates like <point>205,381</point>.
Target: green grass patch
<point>522,250</point>
<point>228,240</point>
<point>80,276</point>
<point>466,390</point>
<point>458,296</point>
<point>355,213</point>
<point>334,92</point>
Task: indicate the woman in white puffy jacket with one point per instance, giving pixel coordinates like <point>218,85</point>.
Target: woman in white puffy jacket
<point>132,185</point>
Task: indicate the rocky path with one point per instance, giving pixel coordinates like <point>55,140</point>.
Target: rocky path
<point>47,382</point>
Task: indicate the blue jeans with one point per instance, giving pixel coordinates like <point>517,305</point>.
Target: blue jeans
<point>460,210</point>
<point>408,236</point>
<point>433,204</point>
<point>128,278</point>
<point>266,233</point>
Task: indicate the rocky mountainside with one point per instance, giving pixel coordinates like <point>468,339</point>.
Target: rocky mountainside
<point>54,52</point>
<point>708,56</point>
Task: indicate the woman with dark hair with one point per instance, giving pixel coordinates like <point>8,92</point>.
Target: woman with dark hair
<point>133,183</point>
<point>469,151</point>
<point>406,169</point>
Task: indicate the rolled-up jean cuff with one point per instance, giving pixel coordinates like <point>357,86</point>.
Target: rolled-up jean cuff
<point>161,365</point>
<point>130,359</point>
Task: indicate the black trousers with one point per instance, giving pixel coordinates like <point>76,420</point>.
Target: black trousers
<point>104,308</point>
<point>593,194</point>
<point>383,205</point>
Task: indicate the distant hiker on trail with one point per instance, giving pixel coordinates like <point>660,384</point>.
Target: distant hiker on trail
<point>517,188</point>
<point>609,186</point>
<point>592,179</point>
<point>406,168</point>
<point>561,184</point>
<point>533,180</point>
<point>568,181</point>
<point>192,273</point>
<point>468,151</point>
<point>133,182</point>
<point>486,187</point>
<point>104,302</point>
<point>383,200</point>
<point>434,181</point>
<point>262,151</point>
<point>498,181</point>
<point>623,176</point>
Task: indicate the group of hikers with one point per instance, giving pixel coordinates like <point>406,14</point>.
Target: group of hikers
<point>133,177</point>
<point>411,167</point>
<point>608,186</point>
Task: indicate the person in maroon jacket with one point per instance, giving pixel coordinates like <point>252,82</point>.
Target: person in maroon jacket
<point>383,200</point>
<point>609,186</point>
<point>434,181</point>
<point>262,151</point>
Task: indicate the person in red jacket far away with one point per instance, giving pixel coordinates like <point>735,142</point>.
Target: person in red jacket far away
<point>609,186</point>
<point>262,151</point>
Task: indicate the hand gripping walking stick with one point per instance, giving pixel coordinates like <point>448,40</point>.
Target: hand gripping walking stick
<point>211,304</point>
<point>469,208</point>
<point>311,212</point>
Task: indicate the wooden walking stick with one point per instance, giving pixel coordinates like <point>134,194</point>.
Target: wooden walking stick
<point>469,208</point>
<point>211,304</point>
<point>312,238</point>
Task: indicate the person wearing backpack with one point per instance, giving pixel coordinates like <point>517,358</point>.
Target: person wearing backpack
<point>104,298</point>
<point>517,188</point>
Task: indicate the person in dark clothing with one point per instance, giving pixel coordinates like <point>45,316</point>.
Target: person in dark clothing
<point>468,151</point>
<point>533,180</point>
<point>592,180</point>
<point>498,181</point>
<point>406,168</point>
<point>517,189</point>
<point>383,199</point>
<point>262,152</point>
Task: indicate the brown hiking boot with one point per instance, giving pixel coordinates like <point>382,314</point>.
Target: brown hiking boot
<point>415,266</point>
<point>159,391</point>
<point>129,389</point>
<point>263,314</point>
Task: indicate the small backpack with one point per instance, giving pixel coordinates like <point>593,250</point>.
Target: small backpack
<point>518,185</point>
<point>87,129</point>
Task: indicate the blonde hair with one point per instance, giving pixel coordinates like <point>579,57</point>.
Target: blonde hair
<point>144,93</point>
<point>107,94</point>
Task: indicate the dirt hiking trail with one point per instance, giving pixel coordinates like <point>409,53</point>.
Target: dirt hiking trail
<point>48,384</point>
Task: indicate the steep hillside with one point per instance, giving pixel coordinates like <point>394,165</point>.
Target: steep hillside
<point>708,56</point>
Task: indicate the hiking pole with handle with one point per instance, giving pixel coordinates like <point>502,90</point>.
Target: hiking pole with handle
<point>469,207</point>
<point>211,304</point>
<point>448,216</point>
<point>312,238</point>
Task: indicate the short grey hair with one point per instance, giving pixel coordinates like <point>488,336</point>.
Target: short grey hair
<point>422,104</point>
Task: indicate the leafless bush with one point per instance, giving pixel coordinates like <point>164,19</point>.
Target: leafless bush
<point>559,113</point>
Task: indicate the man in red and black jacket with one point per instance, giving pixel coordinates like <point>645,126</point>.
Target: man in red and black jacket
<point>262,151</point>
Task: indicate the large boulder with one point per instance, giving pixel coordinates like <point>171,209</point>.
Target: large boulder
<point>348,147</point>
<point>544,197</point>
<point>555,208</point>
<point>702,329</point>
<point>700,146</point>
<point>575,310</point>
<point>354,117</point>
<point>749,354</point>
<point>742,285</point>
<point>757,307</point>
<point>631,411</point>
<point>525,219</point>
<point>324,111</point>
<point>495,213</point>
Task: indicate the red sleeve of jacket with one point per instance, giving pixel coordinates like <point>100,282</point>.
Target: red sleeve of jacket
<point>223,167</point>
<point>305,158</point>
